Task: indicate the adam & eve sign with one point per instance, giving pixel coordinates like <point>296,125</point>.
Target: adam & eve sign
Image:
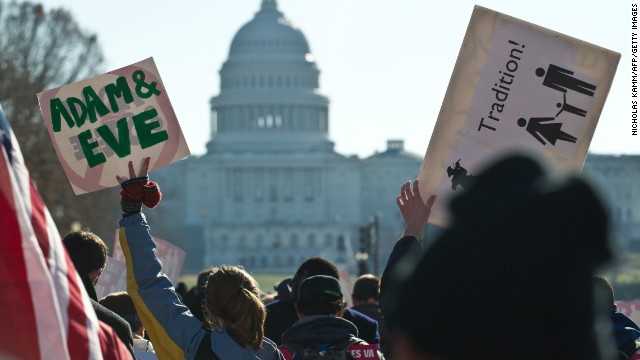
<point>100,124</point>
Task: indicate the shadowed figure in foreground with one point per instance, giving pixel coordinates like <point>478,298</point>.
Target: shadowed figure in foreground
<point>510,279</point>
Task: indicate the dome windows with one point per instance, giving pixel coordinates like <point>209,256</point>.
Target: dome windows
<point>269,121</point>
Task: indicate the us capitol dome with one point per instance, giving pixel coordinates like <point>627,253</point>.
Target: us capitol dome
<point>269,90</point>
<point>271,191</point>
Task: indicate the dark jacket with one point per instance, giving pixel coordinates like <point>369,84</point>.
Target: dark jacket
<point>625,332</point>
<point>281,314</point>
<point>115,321</point>
<point>320,330</point>
<point>373,311</point>
<point>409,250</point>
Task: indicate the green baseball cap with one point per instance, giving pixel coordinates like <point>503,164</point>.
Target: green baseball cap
<point>320,285</point>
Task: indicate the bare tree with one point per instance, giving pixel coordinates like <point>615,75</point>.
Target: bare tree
<point>39,50</point>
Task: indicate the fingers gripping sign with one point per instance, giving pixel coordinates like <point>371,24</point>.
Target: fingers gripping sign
<point>138,190</point>
<point>414,211</point>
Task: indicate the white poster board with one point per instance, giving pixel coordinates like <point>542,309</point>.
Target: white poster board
<point>99,124</point>
<point>515,86</point>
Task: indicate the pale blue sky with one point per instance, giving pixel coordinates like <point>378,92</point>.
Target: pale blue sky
<point>385,65</point>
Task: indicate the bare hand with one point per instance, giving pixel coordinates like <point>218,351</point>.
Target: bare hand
<point>414,211</point>
<point>132,173</point>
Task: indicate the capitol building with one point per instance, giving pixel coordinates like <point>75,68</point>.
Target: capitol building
<point>271,190</point>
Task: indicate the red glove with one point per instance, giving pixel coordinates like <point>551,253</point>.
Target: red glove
<point>138,191</point>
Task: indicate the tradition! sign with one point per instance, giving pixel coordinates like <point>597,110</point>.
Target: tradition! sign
<point>515,86</point>
<point>100,124</point>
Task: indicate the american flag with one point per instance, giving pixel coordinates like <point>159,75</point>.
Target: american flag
<point>44,308</point>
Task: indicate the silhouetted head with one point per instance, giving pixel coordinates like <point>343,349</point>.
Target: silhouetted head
<point>604,289</point>
<point>313,266</point>
<point>366,288</point>
<point>512,277</point>
<point>203,276</point>
<point>283,288</point>
<point>540,72</point>
<point>120,303</point>
<point>87,252</point>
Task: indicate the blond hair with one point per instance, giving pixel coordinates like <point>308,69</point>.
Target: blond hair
<point>234,296</point>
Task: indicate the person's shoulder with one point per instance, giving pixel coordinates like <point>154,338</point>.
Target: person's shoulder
<point>269,350</point>
<point>268,343</point>
<point>351,314</point>
<point>109,317</point>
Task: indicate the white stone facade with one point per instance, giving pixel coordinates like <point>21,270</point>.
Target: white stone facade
<point>271,191</point>
<point>618,180</point>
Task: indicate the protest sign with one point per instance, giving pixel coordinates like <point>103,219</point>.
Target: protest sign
<point>515,86</point>
<point>99,124</point>
<point>112,279</point>
<point>171,256</point>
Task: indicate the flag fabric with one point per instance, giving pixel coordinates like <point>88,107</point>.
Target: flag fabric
<point>45,310</point>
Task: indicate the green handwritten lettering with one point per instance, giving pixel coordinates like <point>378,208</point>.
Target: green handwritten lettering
<point>149,89</point>
<point>86,142</point>
<point>118,90</point>
<point>122,145</point>
<point>143,129</point>
<point>94,104</point>
<point>57,110</point>
<point>73,104</point>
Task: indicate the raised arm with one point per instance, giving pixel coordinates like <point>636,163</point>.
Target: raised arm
<point>174,331</point>
<point>408,250</point>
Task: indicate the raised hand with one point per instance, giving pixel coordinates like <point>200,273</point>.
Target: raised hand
<point>132,174</point>
<point>138,190</point>
<point>414,211</point>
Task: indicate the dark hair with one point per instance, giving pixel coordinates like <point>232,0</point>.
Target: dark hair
<point>366,287</point>
<point>203,275</point>
<point>121,303</point>
<point>181,288</point>
<point>316,265</point>
<point>234,296</point>
<point>320,305</point>
<point>87,251</point>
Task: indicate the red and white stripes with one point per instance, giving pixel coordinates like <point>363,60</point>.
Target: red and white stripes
<point>45,310</point>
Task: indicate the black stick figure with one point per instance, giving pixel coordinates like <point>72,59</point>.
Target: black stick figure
<point>459,176</point>
<point>562,80</point>
<point>563,106</point>
<point>550,131</point>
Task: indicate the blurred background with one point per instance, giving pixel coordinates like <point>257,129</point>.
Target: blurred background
<point>304,118</point>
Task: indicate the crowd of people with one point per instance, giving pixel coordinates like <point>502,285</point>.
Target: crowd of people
<point>513,277</point>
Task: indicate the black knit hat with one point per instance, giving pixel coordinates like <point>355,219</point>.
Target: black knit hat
<point>119,302</point>
<point>512,277</point>
<point>320,286</point>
